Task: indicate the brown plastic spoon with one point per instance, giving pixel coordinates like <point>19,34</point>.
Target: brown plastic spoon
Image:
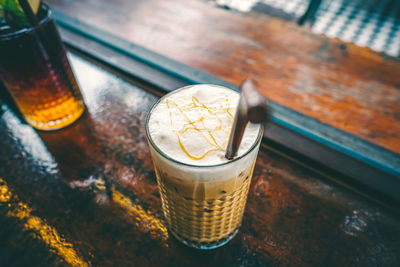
<point>252,107</point>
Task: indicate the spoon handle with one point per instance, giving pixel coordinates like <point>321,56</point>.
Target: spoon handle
<point>252,107</point>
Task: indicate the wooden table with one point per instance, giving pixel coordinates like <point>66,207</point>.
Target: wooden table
<point>343,85</point>
<point>87,194</point>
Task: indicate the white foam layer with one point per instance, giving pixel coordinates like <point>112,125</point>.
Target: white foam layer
<point>193,125</point>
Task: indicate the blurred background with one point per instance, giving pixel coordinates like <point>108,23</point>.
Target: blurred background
<point>370,23</point>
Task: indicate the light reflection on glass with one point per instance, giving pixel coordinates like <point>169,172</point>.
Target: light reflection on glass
<point>44,232</point>
<point>145,219</point>
<point>30,143</point>
<point>157,227</point>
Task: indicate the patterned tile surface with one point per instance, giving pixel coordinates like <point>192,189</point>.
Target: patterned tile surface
<point>371,23</point>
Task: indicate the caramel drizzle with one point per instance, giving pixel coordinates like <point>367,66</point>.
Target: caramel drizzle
<point>206,134</point>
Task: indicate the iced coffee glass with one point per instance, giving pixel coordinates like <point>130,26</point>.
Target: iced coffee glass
<point>203,194</point>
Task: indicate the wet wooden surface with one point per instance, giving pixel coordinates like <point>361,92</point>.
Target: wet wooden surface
<point>349,87</point>
<point>87,195</point>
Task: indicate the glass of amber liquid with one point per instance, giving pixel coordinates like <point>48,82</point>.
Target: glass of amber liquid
<point>37,74</point>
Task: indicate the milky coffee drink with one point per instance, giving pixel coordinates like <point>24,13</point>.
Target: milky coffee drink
<point>203,194</point>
